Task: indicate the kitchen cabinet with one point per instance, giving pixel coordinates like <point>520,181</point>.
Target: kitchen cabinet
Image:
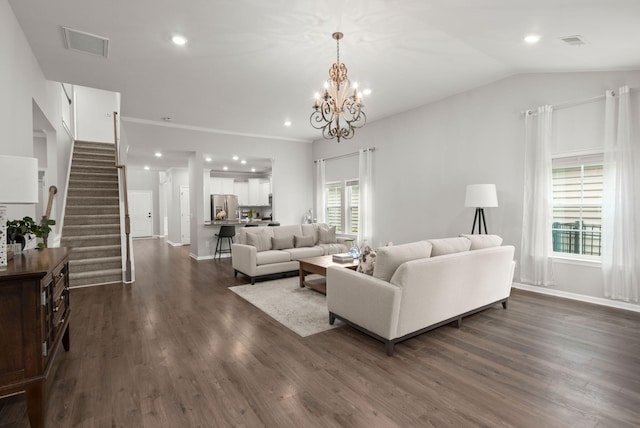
<point>222,186</point>
<point>241,188</point>
<point>265,191</point>
<point>254,191</point>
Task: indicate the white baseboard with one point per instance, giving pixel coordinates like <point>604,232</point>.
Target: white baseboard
<point>580,297</point>
<point>198,258</point>
<point>176,244</point>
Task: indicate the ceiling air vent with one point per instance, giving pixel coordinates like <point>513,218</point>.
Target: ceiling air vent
<point>573,40</point>
<point>85,42</point>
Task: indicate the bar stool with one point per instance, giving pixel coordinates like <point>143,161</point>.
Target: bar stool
<point>250,225</point>
<point>274,223</point>
<point>226,232</point>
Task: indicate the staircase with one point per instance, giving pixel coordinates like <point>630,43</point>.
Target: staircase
<point>91,229</point>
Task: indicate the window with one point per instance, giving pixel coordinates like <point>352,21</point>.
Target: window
<point>577,205</point>
<point>343,201</point>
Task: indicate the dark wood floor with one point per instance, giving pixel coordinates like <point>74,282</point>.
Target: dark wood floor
<point>177,349</point>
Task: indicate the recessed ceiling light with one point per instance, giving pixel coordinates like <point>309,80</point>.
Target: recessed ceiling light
<point>235,158</point>
<point>287,123</point>
<point>224,168</point>
<point>208,159</point>
<point>158,154</point>
<point>532,38</point>
<point>253,170</point>
<point>146,167</point>
<point>243,162</point>
<point>179,40</point>
<point>366,91</point>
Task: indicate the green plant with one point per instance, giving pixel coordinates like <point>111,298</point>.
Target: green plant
<point>250,214</point>
<point>27,226</point>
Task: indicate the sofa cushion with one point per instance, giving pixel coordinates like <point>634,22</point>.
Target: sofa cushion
<point>286,231</point>
<point>310,230</point>
<point>303,241</point>
<point>327,235</point>
<point>260,239</point>
<point>272,256</point>
<point>479,242</point>
<point>449,245</point>
<point>333,248</point>
<point>389,258</point>
<point>304,252</point>
<point>367,260</point>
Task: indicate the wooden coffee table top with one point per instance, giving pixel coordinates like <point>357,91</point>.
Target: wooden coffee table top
<point>326,261</point>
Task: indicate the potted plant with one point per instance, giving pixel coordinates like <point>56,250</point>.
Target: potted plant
<point>250,215</point>
<point>19,230</point>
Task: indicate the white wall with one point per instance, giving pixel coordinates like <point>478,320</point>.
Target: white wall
<point>94,114</point>
<point>27,94</point>
<point>177,177</point>
<point>425,157</point>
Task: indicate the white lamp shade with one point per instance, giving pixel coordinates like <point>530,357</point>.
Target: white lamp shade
<point>18,180</point>
<point>481,196</point>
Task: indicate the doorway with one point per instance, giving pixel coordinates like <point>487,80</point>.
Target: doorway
<point>141,213</point>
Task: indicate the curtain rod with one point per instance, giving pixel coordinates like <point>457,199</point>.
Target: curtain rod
<point>368,149</point>
<point>574,103</point>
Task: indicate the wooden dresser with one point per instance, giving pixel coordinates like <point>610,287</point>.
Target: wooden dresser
<point>34,320</point>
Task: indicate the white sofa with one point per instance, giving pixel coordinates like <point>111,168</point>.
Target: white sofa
<point>260,251</point>
<point>420,286</point>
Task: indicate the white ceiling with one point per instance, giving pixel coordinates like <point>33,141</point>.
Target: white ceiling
<point>252,64</point>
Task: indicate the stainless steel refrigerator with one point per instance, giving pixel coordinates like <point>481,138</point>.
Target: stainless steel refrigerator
<point>228,203</point>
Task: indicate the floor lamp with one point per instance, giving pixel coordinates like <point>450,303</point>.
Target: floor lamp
<point>18,185</point>
<point>480,196</point>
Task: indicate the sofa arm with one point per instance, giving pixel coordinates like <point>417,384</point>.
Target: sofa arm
<point>243,258</point>
<point>369,302</point>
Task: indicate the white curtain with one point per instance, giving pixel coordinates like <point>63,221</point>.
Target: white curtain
<point>537,248</point>
<point>365,170</point>
<point>320,192</point>
<point>620,199</point>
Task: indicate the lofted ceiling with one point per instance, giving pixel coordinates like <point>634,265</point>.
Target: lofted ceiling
<point>250,65</point>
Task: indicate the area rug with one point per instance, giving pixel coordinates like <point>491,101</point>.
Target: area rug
<point>301,310</point>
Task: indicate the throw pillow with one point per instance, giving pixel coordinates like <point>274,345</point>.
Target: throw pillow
<point>283,243</point>
<point>479,242</point>
<point>449,245</point>
<point>327,236</point>
<point>260,240</point>
<point>390,258</point>
<point>367,260</point>
<point>303,241</point>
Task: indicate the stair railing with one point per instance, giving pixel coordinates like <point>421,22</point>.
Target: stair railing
<point>45,218</point>
<point>125,196</point>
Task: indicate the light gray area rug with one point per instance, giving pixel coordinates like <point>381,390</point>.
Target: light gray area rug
<point>300,309</point>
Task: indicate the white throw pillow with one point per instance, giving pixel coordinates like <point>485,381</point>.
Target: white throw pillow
<point>479,242</point>
<point>327,236</point>
<point>303,241</point>
<point>389,258</point>
<point>449,245</point>
<point>260,240</point>
<point>283,243</point>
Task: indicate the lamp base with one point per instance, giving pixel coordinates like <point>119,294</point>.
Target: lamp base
<point>479,218</point>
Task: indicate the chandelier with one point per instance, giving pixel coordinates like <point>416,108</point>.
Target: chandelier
<point>338,111</point>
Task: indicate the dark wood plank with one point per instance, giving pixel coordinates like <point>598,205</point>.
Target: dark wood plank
<point>178,349</point>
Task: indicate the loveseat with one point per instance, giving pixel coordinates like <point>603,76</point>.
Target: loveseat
<point>260,251</point>
<point>420,286</point>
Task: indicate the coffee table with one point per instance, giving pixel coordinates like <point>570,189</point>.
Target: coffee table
<point>319,265</point>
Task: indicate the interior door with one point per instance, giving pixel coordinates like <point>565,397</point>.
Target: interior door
<point>185,216</point>
<point>141,213</point>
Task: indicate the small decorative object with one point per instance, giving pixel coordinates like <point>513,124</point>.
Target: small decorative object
<point>250,214</point>
<point>367,260</point>
<point>354,250</point>
<point>221,215</point>
<point>342,257</point>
